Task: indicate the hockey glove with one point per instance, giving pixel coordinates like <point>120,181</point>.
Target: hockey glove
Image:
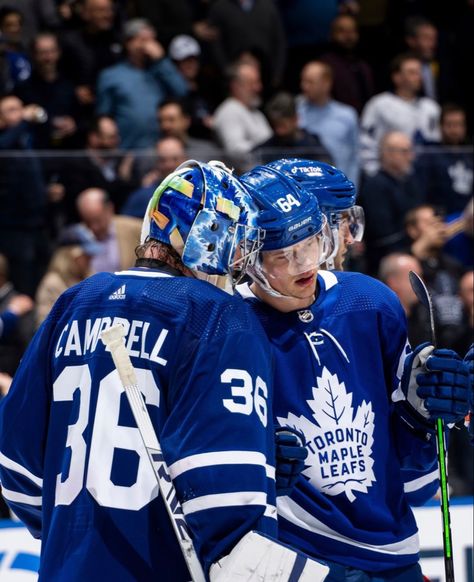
<point>469,359</point>
<point>290,457</point>
<point>435,384</point>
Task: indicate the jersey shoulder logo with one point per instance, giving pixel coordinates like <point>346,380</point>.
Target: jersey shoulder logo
<point>119,293</point>
<point>339,442</point>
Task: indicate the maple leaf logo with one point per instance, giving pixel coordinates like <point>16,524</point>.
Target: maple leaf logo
<point>340,443</point>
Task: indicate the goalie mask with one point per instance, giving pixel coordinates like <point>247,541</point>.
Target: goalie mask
<point>336,194</point>
<point>207,215</point>
<point>297,236</point>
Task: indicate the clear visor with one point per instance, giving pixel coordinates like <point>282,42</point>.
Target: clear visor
<point>299,258</point>
<point>292,261</point>
<point>352,223</point>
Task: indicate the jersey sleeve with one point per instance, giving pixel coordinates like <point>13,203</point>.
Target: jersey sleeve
<point>23,422</point>
<point>218,441</point>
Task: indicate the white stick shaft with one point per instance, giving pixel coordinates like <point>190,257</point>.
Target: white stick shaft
<point>113,339</point>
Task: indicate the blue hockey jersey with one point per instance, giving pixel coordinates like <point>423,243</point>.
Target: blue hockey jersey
<point>337,364</point>
<point>72,463</point>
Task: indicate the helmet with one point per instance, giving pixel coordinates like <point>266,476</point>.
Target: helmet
<point>335,192</point>
<point>205,214</point>
<point>293,223</point>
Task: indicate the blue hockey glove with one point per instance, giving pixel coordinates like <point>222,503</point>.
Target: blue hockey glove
<point>435,384</point>
<point>290,456</point>
<point>469,359</point>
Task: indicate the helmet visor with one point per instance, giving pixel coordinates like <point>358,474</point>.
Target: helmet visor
<point>299,258</point>
<point>354,220</point>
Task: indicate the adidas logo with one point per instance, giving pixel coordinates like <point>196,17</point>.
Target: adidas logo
<point>119,294</point>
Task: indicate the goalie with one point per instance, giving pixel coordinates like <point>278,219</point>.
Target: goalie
<point>72,464</point>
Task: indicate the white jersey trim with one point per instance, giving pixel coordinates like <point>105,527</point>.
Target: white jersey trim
<point>298,516</point>
<point>244,290</point>
<point>329,279</point>
<point>221,458</point>
<point>21,497</point>
<point>14,466</point>
<point>149,273</point>
<point>219,500</point>
<point>419,483</point>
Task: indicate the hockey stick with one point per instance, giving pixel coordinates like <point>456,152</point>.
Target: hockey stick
<point>113,339</point>
<point>424,298</point>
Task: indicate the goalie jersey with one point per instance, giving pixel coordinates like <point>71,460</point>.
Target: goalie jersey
<point>337,364</point>
<point>72,464</point>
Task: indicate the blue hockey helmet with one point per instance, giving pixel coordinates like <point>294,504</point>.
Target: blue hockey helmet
<point>206,214</point>
<point>336,194</point>
<point>295,228</point>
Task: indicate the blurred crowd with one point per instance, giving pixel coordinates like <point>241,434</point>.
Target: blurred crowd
<point>101,99</point>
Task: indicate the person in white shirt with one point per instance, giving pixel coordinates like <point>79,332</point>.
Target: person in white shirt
<point>401,110</point>
<point>238,123</point>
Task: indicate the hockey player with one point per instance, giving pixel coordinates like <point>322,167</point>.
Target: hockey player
<point>346,377</point>
<point>72,465</point>
<point>336,196</point>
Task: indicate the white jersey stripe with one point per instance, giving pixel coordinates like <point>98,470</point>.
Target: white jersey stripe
<point>219,500</point>
<point>221,458</point>
<point>298,516</point>
<point>148,273</point>
<point>21,497</point>
<point>416,484</point>
<point>14,466</point>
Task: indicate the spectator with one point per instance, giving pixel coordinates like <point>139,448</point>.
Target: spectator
<point>393,271</point>
<point>202,92</point>
<point>421,37</point>
<point>460,457</point>
<point>353,82</point>
<point>459,243</point>
<point>335,123</point>
<point>288,139</point>
<point>466,293</point>
<point>400,110</point>
<point>387,196</point>
<point>307,24</point>
<point>168,17</point>
<point>13,45</point>
<point>69,265</point>
<point>118,236</point>
<point>170,153</point>
<point>254,26</point>
<point>53,92</point>
<point>36,16</point>
<point>174,120</point>
<point>447,168</point>
<point>17,322</point>
<point>102,166</point>
<point>132,90</point>
<point>427,233</point>
<point>18,306</point>
<point>23,196</point>
<point>238,123</point>
<point>92,46</point>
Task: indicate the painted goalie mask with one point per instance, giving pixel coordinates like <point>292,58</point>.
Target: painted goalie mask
<point>207,215</point>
